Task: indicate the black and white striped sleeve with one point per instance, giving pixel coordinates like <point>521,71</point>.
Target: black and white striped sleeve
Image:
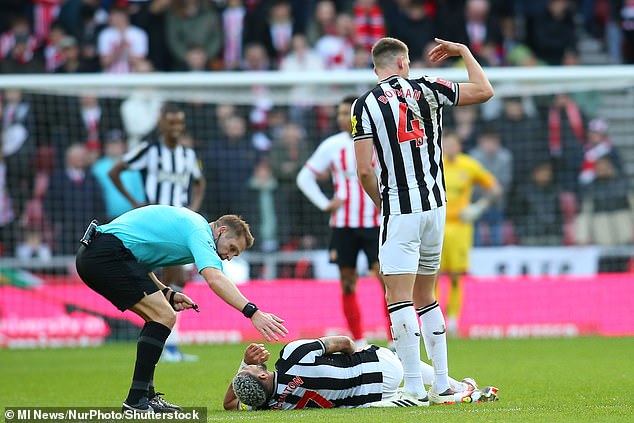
<point>361,120</point>
<point>137,158</point>
<point>447,91</point>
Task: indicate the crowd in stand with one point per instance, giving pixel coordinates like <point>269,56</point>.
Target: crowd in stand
<point>561,175</point>
<point>120,36</point>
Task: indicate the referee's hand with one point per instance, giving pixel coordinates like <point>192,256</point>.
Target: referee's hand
<point>269,325</point>
<point>182,302</point>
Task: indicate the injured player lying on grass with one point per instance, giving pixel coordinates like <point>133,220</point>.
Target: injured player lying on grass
<point>330,372</point>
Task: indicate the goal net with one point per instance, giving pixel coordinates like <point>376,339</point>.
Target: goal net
<point>559,141</point>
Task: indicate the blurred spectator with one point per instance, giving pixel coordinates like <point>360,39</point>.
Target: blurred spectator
<point>255,58</point>
<point>525,137</point>
<point>288,155</point>
<point>18,147</point>
<point>53,55</point>
<point>193,22</point>
<point>522,55</point>
<point>362,60</point>
<point>264,184</point>
<point>151,18</point>
<point>233,19</point>
<point>115,203</point>
<point>323,22</point>
<point>464,122</point>
<point>613,31</point>
<point>497,160</point>
<point>73,199</point>
<point>274,32</point>
<point>120,45</point>
<point>627,25</point>
<point>229,164</point>
<point>475,27</point>
<point>44,14</point>
<point>337,49</point>
<point>607,208</point>
<point>33,247</point>
<point>566,133</point>
<point>18,49</point>
<point>552,34</point>
<point>540,221</point>
<point>598,145</point>
<point>7,216</point>
<point>71,62</point>
<point>369,23</point>
<point>301,57</point>
<point>84,20</point>
<point>196,60</point>
<point>413,26</point>
<point>423,60</point>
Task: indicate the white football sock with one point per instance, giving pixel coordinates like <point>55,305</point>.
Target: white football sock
<point>406,334</point>
<point>435,338</point>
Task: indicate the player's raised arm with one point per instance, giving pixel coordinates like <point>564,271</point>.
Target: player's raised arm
<point>335,344</point>
<point>253,354</point>
<point>478,89</point>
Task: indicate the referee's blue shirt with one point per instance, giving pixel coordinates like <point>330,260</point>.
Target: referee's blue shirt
<point>161,236</point>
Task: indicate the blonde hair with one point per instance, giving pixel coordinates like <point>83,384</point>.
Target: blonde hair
<point>237,226</point>
<point>386,50</point>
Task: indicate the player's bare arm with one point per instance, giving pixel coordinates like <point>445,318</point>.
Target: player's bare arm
<point>364,151</point>
<point>198,193</point>
<point>478,89</point>
<point>269,325</point>
<point>336,344</point>
<point>115,177</point>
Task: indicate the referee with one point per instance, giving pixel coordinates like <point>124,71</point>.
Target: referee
<point>116,261</point>
<point>401,119</point>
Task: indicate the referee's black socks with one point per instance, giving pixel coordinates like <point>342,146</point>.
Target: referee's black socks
<point>149,348</point>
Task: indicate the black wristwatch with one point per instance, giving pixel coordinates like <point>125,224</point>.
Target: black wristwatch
<point>249,310</point>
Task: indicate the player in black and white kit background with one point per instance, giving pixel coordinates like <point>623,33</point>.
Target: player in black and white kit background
<point>401,119</point>
<point>169,169</point>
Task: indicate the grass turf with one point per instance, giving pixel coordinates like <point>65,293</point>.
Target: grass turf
<point>540,380</point>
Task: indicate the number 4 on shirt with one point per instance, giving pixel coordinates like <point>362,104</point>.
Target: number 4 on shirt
<point>409,127</point>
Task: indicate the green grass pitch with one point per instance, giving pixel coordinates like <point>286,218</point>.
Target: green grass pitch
<point>540,380</point>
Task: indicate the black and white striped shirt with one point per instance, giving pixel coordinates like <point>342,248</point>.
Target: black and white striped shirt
<point>166,172</point>
<point>403,117</point>
<point>306,377</point>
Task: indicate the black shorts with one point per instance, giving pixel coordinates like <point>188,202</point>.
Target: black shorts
<point>111,270</point>
<point>345,244</point>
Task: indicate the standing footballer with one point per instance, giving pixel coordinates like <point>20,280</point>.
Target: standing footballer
<point>401,119</point>
<point>354,218</point>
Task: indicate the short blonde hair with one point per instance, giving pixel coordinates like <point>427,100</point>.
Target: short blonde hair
<point>237,226</point>
<point>386,50</point>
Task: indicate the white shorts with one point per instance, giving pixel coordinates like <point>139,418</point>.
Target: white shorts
<point>412,243</point>
<point>392,370</point>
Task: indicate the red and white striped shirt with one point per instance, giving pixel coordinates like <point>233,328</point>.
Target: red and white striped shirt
<point>336,153</point>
